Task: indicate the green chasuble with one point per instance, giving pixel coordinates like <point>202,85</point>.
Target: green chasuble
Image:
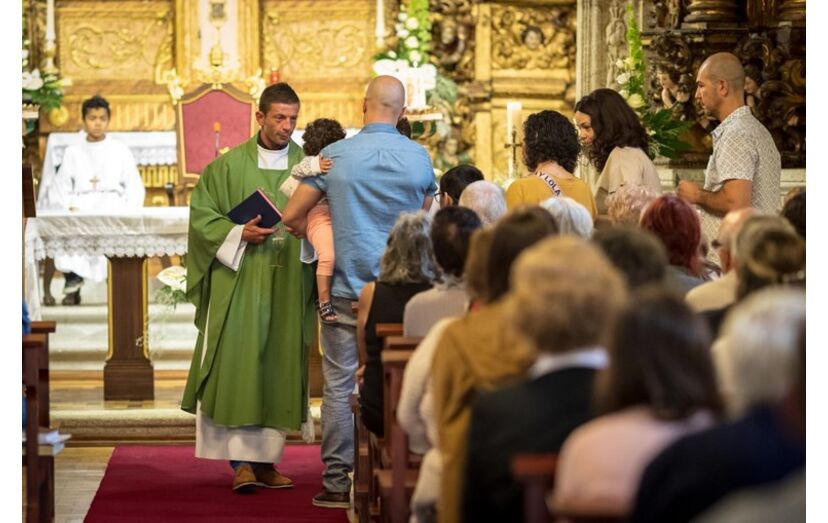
<point>259,320</point>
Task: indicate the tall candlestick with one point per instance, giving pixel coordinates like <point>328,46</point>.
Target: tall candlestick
<point>380,27</point>
<point>50,20</point>
<point>512,120</point>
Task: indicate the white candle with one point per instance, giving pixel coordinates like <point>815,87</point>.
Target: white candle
<point>380,30</point>
<point>512,119</point>
<point>50,20</point>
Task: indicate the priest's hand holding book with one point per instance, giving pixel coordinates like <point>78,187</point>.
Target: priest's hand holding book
<point>252,233</point>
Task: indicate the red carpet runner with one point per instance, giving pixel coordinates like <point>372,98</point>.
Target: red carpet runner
<point>158,484</point>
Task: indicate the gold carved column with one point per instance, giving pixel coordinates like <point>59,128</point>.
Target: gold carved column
<point>712,11</point>
<point>792,11</point>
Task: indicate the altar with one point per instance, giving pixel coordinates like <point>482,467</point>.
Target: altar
<point>127,239</point>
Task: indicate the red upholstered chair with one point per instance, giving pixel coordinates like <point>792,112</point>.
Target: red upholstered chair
<point>210,120</point>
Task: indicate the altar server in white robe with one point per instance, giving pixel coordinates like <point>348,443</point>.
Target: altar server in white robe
<point>98,174</point>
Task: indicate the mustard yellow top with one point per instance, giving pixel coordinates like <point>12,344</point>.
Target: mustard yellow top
<point>531,190</point>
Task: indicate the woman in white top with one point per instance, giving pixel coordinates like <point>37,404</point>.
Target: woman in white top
<point>615,143</point>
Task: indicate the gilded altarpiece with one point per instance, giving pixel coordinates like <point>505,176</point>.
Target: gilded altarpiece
<point>768,36</point>
<point>117,49</point>
<point>524,52</point>
<point>326,58</point>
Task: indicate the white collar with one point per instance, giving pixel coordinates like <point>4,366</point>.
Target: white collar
<point>273,153</point>
<point>589,357</point>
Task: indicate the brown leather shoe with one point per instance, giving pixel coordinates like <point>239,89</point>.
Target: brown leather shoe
<point>270,478</point>
<point>328,499</point>
<point>245,480</point>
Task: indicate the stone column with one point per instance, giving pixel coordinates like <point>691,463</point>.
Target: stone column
<point>593,68</point>
<point>712,11</point>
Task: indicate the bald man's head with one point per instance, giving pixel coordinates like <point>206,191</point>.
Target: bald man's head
<point>726,67</point>
<point>720,85</point>
<point>384,100</point>
<point>728,231</point>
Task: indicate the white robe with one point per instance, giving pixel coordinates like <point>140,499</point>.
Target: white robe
<point>94,176</point>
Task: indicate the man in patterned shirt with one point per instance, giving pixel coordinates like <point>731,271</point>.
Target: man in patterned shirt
<point>745,166</point>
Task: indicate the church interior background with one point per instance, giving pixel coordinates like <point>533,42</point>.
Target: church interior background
<point>495,63</point>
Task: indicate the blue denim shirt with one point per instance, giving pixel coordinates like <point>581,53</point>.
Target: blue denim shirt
<point>376,175</point>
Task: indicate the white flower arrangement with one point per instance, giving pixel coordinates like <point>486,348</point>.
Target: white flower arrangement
<point>664,130</point>
<point>174,289</point>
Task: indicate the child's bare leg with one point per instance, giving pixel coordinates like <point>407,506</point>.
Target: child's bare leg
<point>323,287</point>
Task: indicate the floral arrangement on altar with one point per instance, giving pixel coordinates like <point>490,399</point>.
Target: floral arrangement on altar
<point>408,59</point>
<point>413,32</point>
<point>174,289</point>
<point>44,90</point>
<point>661,125</point>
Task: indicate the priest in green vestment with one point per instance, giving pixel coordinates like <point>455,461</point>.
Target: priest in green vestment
<point>254,298</point>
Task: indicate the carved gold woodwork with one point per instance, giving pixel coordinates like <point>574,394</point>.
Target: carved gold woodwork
<point>326,59</point>
<point>188,44</point>
<point>712,11</point>
<point>157,176</point>
<point>792,11</point>
<point>533,38</point>
<point>453,39</point>
<point>522,53</point>
<point>129,112</point>
<point>104,41</point>
<point>303,45</point>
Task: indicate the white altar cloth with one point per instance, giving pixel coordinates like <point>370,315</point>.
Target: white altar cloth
<point>148,147</point>
<point>149,231</point>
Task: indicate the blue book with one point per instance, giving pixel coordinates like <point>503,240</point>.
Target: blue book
<point>256,204</point>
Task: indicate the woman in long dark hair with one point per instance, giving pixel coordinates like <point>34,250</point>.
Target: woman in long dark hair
<point>615,143</point>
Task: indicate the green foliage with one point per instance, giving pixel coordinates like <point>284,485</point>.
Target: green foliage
<point>661,124</point>
<point>413,31</point>
<point>46,90</point>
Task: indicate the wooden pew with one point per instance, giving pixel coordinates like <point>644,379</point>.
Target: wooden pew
<point>39,468</point>
<point>366,454</point>
<point>45,328</point>
<point>536,472</point>
<point>396,482</point>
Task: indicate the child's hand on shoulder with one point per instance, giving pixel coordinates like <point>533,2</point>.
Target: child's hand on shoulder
<point>325,164</point>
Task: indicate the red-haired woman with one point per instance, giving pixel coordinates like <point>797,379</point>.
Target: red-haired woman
<point>677,225</point>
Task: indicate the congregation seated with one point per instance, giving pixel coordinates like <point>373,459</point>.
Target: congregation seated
<point>415,410</point>
<point>721,292</point>
<point>626,205</point>
<point>572,217</point>
<point>765,441</point>
<point>637,253</point>
<point>659,386</point>
<point>767,251</point>
<point>677,225</point>
<point>564,310</point>
<point>406,268</point>
<point>794,211</point>
<point>451,230</point>
<point>454,181</point>
<point>486,199</point>
<point>476,353</point>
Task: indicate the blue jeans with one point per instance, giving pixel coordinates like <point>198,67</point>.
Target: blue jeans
<point>254,464</point>
<point>339,363</point>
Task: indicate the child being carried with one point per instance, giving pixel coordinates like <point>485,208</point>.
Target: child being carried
<point>318,134</point>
